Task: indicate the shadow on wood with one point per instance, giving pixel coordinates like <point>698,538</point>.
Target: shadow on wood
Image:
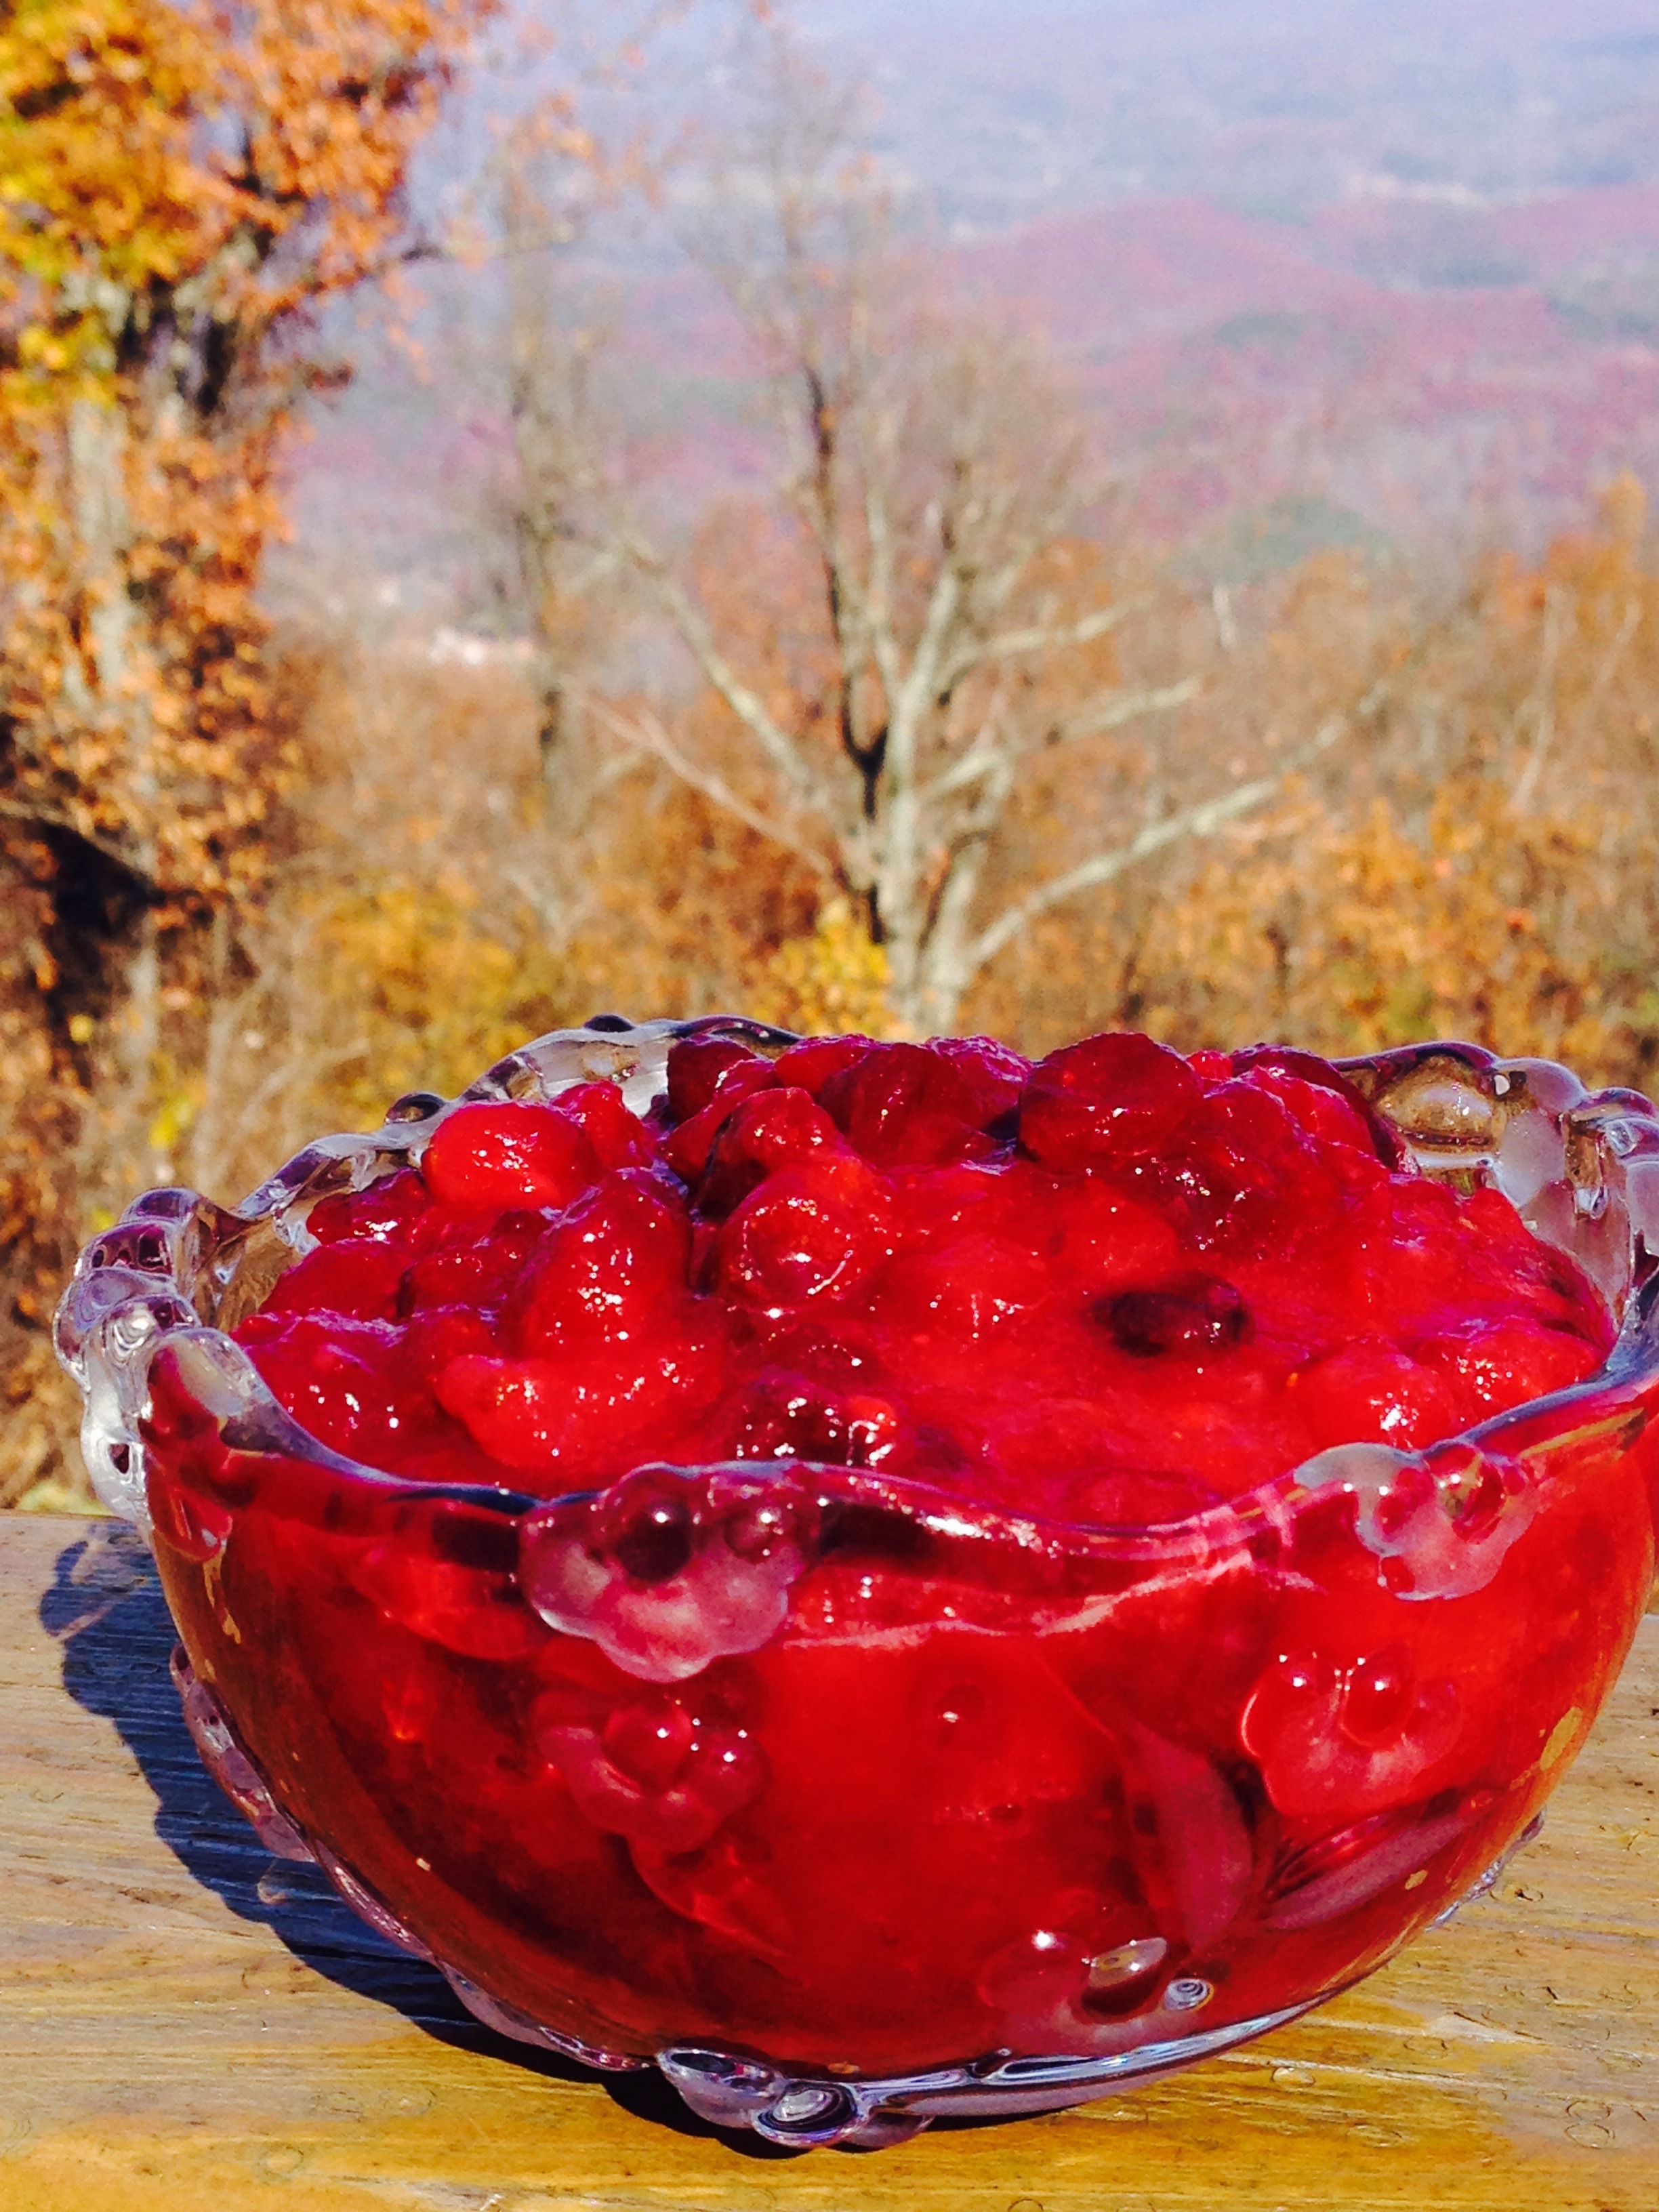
<point>106,1614</point>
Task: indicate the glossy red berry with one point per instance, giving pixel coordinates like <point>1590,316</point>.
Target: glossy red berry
<point>1184,1318</point>
<point>619,1137</point>
<point>807,1232</point>
<point>387,1212</point>
<point>605,1267</point>
<point>768,1131</point>
<point>1106,1102</point>
<point>700,1068</point>
<point>907,1105</point>
<point>508,1155</point>
<point>1373,1393</point>
<point>815,1061</point>
<point>358,1276</point>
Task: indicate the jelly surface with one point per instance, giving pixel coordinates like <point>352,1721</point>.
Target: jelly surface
<point>852,1576</point>
<point>1110,1289</point>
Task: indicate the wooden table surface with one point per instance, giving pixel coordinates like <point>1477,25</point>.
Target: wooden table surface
<point>186,2024</point>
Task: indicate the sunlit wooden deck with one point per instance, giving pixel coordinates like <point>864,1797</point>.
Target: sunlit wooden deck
<point>185,2025</point>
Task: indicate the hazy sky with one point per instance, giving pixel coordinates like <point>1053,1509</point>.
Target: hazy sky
<point>1010,109</point>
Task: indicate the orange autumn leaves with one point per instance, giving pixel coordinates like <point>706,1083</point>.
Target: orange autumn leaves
<point>257,154</point>
<point>181,189</point>
<point>1348,935</point>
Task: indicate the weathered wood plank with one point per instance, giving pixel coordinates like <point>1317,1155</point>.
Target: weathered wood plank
<point>183,2025</point>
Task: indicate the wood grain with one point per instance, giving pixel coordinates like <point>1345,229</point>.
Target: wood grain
<point>185,2025</point>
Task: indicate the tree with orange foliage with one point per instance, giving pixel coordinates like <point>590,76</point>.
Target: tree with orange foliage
<point>182,189</point>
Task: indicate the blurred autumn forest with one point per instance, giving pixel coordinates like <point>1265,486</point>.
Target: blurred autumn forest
<point>897,728</point>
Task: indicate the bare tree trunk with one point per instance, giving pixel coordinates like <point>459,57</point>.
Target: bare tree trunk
<point>565,783</point>
<point>108,687</point>
<point>552,731</point>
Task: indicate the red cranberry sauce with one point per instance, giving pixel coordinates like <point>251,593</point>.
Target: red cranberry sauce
<point>1108,1288</point>
<point>797,1755</point>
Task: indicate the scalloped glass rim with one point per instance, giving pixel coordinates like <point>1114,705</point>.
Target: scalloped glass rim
<point>1581,1166</point>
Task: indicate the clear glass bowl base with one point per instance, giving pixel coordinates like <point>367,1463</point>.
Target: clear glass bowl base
<point>731,2090</point>
<point>726,2087</point>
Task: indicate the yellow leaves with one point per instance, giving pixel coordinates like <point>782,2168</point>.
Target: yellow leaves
<point>831,982</point>
<point>100,195</point>
<point>434,997</point>
<point>179,1103</point>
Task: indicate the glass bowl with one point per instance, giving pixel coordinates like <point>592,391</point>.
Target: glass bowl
<point>1069,1807</point>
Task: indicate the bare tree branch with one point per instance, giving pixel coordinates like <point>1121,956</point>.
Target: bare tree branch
<point>922,681</point>
<point>1113,714</point>
<point>45,817</point>
<point>1014,644</point>
<point>645,733</point>
<point>1130,708</point>
<point>1200,821</point>
<point>1527,782</point>
<point>773,740</point>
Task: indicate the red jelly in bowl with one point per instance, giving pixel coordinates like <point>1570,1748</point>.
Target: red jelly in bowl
<point>888,1579</point>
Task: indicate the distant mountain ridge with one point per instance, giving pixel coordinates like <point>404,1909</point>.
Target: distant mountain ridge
<point>1385,260</point>
<point>1242,360</point>
<point>1005,111</point>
